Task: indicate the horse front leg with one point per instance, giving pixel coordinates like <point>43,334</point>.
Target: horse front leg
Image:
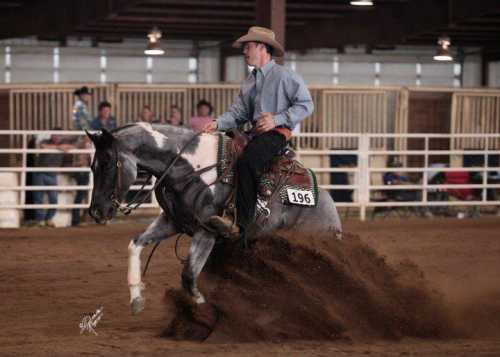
<point>200,249</point>
<point>161,228</point>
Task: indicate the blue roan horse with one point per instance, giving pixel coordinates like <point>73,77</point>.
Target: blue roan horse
<point>186,198</point>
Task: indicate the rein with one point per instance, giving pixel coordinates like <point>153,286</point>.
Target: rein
<point>136,202</point>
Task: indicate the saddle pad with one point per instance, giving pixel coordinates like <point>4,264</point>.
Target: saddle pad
<point>300,188</point>
<point>300,191</point>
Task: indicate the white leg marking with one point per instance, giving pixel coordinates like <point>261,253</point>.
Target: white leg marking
<point>204,156</point>
<point>134,270</point>
<point>200,299</point>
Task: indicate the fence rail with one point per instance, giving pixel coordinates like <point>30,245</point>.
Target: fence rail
<point>365,173</point>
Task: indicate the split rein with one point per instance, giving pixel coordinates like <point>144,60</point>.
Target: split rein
<point>136,201</point>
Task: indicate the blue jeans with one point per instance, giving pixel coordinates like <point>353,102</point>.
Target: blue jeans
<point>44,179</point>
<point>82,179</point>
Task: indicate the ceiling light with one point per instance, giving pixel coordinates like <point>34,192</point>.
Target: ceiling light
<point>154,48</point>
<point>362,2</point>
<point>443,51</point>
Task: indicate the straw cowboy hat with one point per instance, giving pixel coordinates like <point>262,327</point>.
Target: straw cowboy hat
<point>261,34</point>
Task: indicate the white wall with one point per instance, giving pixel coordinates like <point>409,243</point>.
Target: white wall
<point>494,69</point>
<point>235,69</point>
<point>472,71</point>
<point>79,64</point>
<point>208,66</point>
<point>28,67</point>
<point>33,61</point>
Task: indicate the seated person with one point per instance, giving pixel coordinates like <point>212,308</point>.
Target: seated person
<point>398,178</point>
<point>103,120</point>
<point>175,116</point>
<point>459,178</point>
<point>147,116</point>
<point>203,116</point>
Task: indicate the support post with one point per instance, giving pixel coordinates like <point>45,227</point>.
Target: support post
<point>272,14</point>
<point>364,174</point>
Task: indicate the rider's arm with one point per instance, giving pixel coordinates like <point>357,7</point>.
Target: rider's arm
<point>236,115</point>
<point>301,104</point>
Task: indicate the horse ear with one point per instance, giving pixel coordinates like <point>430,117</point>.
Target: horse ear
<point>107,137</point>
<point>92,137</point>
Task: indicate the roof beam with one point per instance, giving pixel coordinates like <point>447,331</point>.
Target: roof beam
<point>272,14</point>
<point>384,25</point>
<point>461,10</point>
<point>138,11</point>
<point>211,3</point>
<point>65,16</point>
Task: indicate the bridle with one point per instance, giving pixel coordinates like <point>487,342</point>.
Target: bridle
<point>136,202</point>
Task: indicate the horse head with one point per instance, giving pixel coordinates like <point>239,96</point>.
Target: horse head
<point>115,170</point>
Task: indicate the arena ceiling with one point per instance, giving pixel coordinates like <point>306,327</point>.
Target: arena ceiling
<point>308,23</point>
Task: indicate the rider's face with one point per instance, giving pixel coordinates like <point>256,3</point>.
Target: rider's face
<point>253,53</point>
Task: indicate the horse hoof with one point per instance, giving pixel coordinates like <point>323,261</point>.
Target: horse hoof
<point>137,305</point>
<point>205,315</point>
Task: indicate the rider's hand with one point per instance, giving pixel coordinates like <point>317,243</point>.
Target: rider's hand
<point>210,127</point>
<point>265,123</point>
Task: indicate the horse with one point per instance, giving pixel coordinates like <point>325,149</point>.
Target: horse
<point>189,193</point>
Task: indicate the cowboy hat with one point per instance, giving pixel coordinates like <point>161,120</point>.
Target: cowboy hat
<point>83,90</point>
<point>261,34</point>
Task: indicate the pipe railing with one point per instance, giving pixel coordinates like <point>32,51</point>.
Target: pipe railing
<point>362,173</point>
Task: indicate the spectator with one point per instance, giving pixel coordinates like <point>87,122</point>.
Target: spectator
<point>82,177</point>
<point>103,118</point>
<point>175,116</point>
<point>81,115</point>
<point>147,115</point>
<point>203,116</point>
<point>398,178</point>
<point>42,217</point>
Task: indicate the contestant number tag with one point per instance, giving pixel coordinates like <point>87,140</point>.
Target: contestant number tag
<point>299,197</point>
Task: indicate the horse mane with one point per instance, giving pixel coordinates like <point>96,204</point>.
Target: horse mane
<point>178,129</point>
<point>126,126</point>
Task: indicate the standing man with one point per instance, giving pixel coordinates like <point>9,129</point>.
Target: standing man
<point>81,115</point>
<point>49,178</point>
<point>273,99</point>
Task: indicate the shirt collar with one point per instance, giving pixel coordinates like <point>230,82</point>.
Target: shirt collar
<point>265,69</point>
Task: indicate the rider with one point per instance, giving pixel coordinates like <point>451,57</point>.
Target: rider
<point>273,99</point>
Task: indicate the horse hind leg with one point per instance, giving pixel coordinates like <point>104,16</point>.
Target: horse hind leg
<point>199,252</point>
<point>161,228</point>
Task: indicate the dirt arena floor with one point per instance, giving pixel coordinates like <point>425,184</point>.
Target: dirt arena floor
<point>50,277</point>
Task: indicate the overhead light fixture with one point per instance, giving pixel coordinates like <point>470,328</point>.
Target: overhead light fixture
<point>362,2</point>
<point>154,48</point>
<point>443,51</point>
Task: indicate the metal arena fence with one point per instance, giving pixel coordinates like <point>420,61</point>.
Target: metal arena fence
<point>361,168</point>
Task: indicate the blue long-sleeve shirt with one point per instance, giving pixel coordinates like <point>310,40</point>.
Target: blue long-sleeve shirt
<point>81,116</point>
<point>272,88</point>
